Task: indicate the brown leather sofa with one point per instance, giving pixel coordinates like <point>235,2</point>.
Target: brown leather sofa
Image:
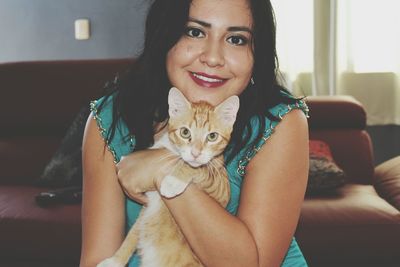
<point>352,226</point>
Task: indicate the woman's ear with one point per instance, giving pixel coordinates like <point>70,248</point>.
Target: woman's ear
<point>177,102</point>
<point>228,109</point>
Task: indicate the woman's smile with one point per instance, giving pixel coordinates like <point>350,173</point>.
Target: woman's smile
<point>205,80</point>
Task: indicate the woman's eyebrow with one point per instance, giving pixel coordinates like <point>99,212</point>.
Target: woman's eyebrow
<point>231,29</point>
<point>202,23</point>
<point>240,29</point>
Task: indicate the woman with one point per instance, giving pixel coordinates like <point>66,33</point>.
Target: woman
<point>210,50</point>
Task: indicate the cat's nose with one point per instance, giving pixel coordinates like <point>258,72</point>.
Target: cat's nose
<point>195,153</point>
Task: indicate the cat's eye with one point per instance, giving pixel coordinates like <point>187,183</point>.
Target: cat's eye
<point>185,133</point>
<point>212,137</point>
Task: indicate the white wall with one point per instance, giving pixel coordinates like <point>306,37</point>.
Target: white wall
<point>44,29</point>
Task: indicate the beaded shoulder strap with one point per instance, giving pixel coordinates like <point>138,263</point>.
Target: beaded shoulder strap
<point>270,128</point>
<point>117,146</point>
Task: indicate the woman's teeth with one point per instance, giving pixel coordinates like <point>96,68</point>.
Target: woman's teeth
<point>206,79</point>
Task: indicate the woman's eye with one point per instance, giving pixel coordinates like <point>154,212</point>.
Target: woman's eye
<point>185,133</point>
<point>237,40</point>
<point>194,32</point>
<point>211,137</point>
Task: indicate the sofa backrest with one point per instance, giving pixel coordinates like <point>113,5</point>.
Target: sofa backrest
<point>39,100</point>
<point>340,121</point>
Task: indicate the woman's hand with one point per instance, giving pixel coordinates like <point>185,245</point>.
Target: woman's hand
<point>142,171</point>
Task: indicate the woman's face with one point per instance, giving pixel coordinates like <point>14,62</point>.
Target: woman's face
<point>213,59</point>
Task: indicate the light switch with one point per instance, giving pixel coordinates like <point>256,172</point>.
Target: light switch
<point>82,29</point>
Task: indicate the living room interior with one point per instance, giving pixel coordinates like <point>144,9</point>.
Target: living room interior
<point>57,56</point>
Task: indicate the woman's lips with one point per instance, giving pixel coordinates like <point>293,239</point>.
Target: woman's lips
<point>205,80</point>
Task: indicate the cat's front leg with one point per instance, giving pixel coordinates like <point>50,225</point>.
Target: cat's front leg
<point>172,186</point>
<point>175,183</point>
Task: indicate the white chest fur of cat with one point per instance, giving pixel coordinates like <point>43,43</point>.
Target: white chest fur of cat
<point>198,133</point>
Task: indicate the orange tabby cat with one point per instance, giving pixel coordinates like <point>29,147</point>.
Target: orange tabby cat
<point>198,133</point>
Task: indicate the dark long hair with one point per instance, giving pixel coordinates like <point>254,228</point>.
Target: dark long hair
<point>141,92</point>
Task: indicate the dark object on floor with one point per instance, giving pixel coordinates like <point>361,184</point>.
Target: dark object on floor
<point>69,195</point>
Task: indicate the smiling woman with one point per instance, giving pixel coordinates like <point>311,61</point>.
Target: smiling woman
<point>212,51</point>
<point>213,59</point>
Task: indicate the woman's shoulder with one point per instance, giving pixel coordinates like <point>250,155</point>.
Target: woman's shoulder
<point>277,112</point>
<point>103,105</point>
<point>102,112</point>
<point>289,103</point>
<point>267,125</point>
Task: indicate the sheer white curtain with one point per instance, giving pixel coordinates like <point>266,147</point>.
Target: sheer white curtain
<point>352,47</point>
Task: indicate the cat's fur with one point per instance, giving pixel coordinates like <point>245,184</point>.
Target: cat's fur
<point>155,233</point>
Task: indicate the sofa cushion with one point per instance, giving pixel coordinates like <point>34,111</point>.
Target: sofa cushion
<point>352,151</point>
<point>357,214</point>
<point>387,181</point>
<point>31,233</point>
<point>324,175</point>
<point>65,167</point>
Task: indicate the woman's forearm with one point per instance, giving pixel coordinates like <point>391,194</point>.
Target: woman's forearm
<point>217,237</point>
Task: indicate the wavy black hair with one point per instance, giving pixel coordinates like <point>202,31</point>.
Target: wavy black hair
<point>142,92</point>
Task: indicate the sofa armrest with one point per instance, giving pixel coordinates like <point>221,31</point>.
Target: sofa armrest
<point>387,181</point>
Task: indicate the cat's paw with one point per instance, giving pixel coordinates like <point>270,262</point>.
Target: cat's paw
<point>172,186</point>
<point>110,262</point>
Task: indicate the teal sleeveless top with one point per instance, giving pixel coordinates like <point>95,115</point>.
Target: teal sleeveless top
<point>123,143</point>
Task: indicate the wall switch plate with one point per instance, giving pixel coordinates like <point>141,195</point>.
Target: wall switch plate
<point>82,29</point>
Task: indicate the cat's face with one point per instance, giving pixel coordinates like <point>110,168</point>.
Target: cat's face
<point>200,131</point>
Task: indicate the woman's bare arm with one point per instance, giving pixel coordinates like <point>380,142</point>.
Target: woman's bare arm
<point>103,208</point>
<point>273,190</point>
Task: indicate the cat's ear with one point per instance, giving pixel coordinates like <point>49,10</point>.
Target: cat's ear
<point>177,102</point>
<point>228,109</point>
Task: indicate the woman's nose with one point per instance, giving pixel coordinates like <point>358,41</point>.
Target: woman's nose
<point>212,54</point>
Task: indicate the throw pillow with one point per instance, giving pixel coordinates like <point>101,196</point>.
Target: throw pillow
<point>65,167</point>
<point>324,175</point>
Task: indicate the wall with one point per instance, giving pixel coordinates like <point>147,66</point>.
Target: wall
<point>44,29</point>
